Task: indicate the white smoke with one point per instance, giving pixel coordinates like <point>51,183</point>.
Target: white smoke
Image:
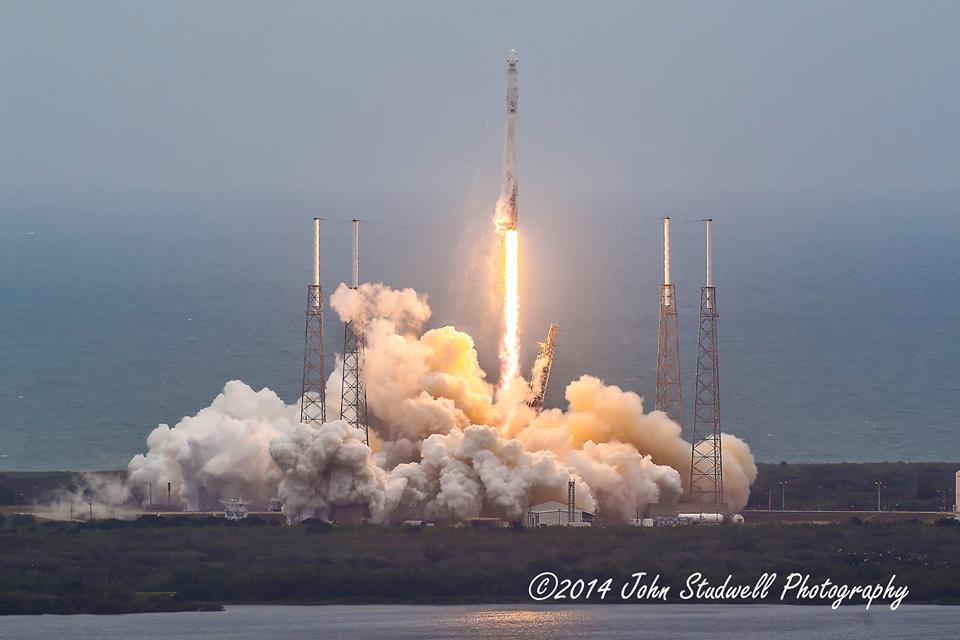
<point>443,444</point>
<point>446,446</point>
<point>224,448</point>
<point>96,495</point>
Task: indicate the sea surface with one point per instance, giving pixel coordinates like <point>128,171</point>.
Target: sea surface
<point>839,313</point>
<point>663,622</point>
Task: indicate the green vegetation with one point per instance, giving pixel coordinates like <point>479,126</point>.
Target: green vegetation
<point>192,563</point>
<point>178,563</point>
<point>907,486</point>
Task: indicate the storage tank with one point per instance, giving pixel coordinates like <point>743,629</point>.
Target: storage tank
<point>701,518</point>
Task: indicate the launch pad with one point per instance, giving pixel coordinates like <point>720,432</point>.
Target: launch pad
<point>703,480</point>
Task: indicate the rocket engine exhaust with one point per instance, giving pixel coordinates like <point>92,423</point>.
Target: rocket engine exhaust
<point>505,221</point>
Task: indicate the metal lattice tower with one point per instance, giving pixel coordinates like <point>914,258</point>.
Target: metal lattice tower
<point>669,394</point>
<point>571,500</point>
<point>353,395</point>
<point>540,374</point>
<point>313,399</point>
<point>706,464</point>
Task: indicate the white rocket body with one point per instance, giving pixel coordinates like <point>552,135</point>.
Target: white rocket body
<point>507,202</point>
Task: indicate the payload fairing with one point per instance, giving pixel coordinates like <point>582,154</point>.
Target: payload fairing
<point>506,214</point>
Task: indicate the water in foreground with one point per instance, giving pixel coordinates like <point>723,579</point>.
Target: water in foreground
<point>743,622</point>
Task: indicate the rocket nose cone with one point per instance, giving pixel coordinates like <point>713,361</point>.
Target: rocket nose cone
<point>512,57</point>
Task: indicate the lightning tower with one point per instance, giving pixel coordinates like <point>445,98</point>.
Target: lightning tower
<point>313,399</point>
<point>540,374</point>
<point>353,395</point>
<point>669,396</point>
<point>706,466</point>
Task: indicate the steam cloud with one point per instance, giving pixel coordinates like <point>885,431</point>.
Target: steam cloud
<point>443,444</point>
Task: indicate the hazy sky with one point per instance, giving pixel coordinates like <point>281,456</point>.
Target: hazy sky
<point>622,95</point>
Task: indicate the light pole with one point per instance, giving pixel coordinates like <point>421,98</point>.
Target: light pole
<point>783,495</point>
<point>150,493</point>
<point>879,484</point>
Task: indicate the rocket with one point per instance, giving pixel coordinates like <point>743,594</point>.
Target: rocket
<point>512,86</point>
<point>506,214</point>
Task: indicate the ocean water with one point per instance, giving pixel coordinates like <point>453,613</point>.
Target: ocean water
<point>666,622</point>
<point>839,313</point>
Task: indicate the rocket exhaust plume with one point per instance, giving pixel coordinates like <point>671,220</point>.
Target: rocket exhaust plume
<point>505,221</point>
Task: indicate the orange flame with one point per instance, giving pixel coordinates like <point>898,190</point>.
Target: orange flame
<point>510,339</point>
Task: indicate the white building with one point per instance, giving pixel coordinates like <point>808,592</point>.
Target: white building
<point>956,495</point>
<point>553,514</point>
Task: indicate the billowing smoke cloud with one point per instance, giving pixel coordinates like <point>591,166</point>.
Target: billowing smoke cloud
<point>224,448</point>
<point>600,413</point>
<point>100,495</point>
<point>443,443</point>
<point>448,446</point>
<point>460,474</point>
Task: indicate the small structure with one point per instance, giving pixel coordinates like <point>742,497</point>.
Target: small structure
<point>557,514</point>
<point>235,509</point>
<point>956,495</point>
